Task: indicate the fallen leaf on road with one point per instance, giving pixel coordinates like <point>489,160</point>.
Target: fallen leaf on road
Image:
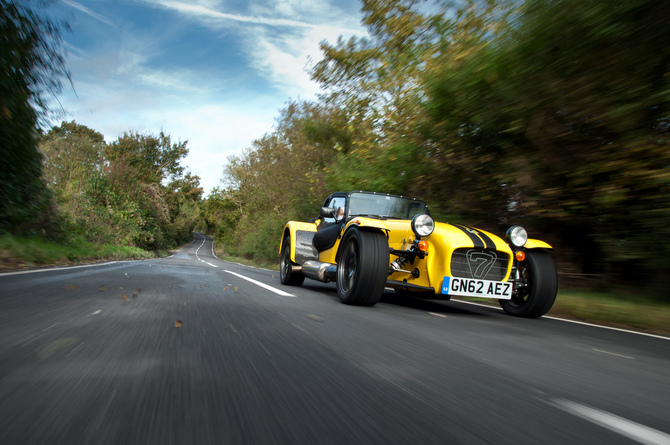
<point>72,286</point>
<point>101,289</point>
<point>139,289</point>
<point>177,323</point>
<point>207,284</point>
<point>235,289</point>
<point>125,297</point>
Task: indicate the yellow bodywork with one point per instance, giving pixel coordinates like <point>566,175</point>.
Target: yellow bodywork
<point>444,240</point>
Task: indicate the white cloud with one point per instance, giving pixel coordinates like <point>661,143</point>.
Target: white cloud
<point>88,12</point>
<point>120,87</point>
<point>284,59</point>
<point>213,16</point>
<point>216,132</point>
<point>281,55</point>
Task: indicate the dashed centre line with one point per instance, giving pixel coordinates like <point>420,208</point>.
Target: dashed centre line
<point>200,259</point>
<point>612,353</point>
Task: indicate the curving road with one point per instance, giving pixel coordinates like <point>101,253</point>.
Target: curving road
<point>195,350</point>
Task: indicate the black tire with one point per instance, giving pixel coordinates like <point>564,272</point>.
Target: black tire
<point>535,298</point>
<point>362,267</point>
<point>286,274</point>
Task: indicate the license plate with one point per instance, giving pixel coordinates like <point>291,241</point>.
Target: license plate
<point>477,288</point>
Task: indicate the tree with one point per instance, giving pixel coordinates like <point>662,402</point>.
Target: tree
<point>148,158</point>
<point>72,154</point>
<point>32,60</point>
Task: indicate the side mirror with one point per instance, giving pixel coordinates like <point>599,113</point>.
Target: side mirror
<point>327,212</point>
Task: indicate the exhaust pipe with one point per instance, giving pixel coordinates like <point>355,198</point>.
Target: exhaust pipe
<point>316,270</point>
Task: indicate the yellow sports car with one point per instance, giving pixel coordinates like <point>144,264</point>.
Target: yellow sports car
<point>367,241</point>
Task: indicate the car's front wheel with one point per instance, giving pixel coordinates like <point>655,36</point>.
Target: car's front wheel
<point>362,267</point>
<point>536,287</point>
<point>286,274</point>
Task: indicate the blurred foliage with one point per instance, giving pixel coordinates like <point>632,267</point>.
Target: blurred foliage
<point>558,110</point>
<point>118,192</point>
<point>31,57</point>
<point>549,113</point>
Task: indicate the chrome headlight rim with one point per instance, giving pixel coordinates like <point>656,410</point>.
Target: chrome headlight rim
<point>516,236</point>
<point>423,225</point>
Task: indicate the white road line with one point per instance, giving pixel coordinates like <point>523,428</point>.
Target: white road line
<point>575,321</point>
<point>196,250</point>
<point>56,268</point>
<point>608,327</point>
<point>263,285</point>
<point>612,353</point>
<point>200,259</point>
<point>437,315</point>
<point>625,427</point>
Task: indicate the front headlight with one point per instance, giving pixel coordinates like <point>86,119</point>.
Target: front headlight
<point>517,236</point>
<point>423,225</point>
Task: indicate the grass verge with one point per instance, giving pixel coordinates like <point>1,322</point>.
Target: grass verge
<point>21,253</point>
<point>623,311</point>
<point>618,310</point>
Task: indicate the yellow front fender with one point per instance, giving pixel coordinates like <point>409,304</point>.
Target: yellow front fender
<point>363,223</point>
<point>536,244</point>
<point>290,229</point>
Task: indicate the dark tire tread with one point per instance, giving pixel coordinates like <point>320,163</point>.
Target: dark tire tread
<point>372,271</point>
<point>543,287</point>
<point>287,277</point>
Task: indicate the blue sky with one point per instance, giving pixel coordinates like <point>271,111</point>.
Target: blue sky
<point>213,72</point>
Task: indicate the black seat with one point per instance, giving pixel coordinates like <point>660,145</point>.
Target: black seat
<point>326,235</point>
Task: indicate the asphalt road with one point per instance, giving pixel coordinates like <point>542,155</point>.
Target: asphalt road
<point>188,350</point>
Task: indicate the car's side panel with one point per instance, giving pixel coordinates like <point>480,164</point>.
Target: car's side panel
<point>291,228</point>
<point>304,246</point>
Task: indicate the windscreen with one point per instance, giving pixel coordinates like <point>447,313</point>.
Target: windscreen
<point>393,207</point>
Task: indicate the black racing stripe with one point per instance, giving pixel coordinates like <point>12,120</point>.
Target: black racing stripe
<point>490,245</point>
<point>488,242</point>
<point>475,239</point>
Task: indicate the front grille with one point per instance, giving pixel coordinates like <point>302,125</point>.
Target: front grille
<point>479,263</point>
